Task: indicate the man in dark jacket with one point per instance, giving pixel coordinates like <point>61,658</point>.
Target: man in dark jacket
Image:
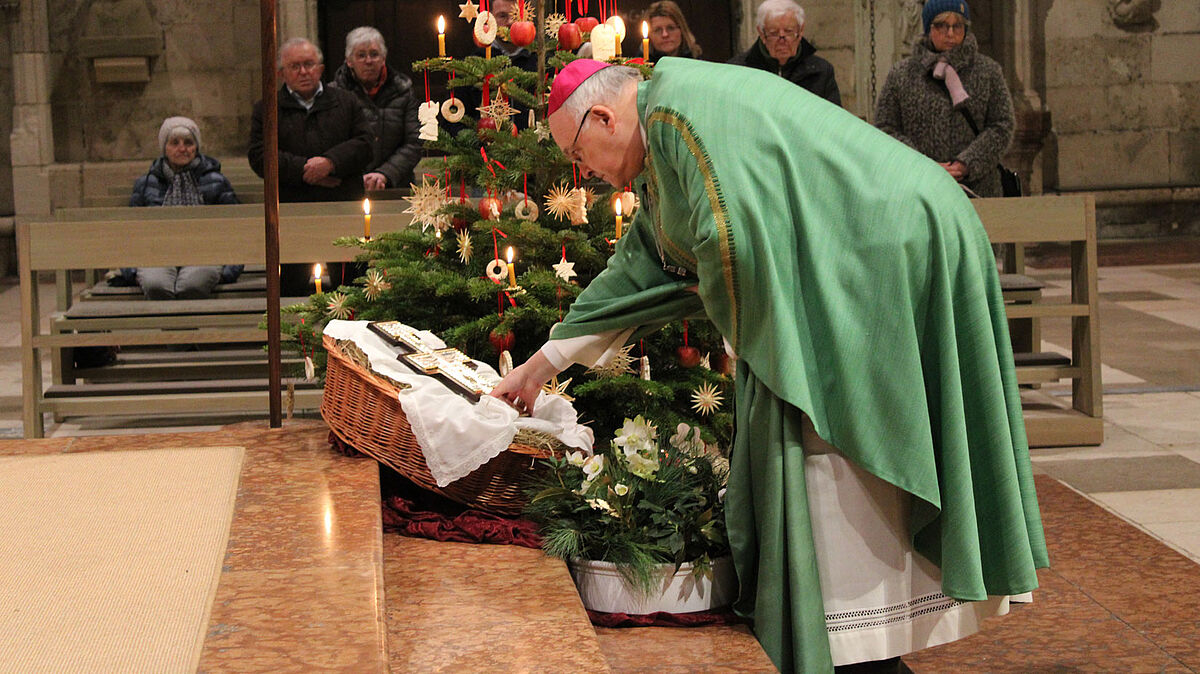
<point>782,49</point>
<point>324,139</point>
<point>386,97</point>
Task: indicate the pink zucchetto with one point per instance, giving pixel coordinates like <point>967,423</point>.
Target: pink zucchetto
<point>569,79</point>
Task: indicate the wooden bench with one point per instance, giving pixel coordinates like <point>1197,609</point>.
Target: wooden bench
<point>1071,219</point>
<point>176,239</point>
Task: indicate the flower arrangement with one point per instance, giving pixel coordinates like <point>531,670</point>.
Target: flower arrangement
<point>639,503</point>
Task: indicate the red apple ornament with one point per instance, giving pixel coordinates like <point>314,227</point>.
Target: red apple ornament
<point>522,33</point>
<point>689,356</point>
<point>587,23</point>
<point>569,37</point>
<point>502,341</point>
<point>489,208</point>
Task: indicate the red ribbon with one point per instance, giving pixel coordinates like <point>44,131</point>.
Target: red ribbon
<point>426,71</point>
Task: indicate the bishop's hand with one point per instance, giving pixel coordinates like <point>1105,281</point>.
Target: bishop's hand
<point>521,386</point>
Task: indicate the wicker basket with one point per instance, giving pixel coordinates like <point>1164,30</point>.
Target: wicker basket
<point>363,410</point>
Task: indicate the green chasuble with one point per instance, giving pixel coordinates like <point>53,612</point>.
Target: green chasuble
<point>857,285</point>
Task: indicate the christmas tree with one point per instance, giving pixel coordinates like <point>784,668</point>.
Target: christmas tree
<point>505,235</point>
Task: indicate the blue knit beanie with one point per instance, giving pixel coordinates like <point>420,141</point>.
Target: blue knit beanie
<point>935,7</point>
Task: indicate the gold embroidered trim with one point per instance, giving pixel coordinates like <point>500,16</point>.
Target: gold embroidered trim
<point>716,202</point>
<point>679,255</point>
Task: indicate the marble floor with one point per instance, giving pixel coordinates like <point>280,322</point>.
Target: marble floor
<point>1146,474</point>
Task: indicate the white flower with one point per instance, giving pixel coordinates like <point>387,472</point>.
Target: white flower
<point>593,466</point>
<point>576,458</point>
<point>687,439</point>
<point>621,489</point>
<point>721,494</point>
<point>643,466</point>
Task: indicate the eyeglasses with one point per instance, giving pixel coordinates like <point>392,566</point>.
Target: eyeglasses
<point>367,55</point>
<point>504,16</point>
<point>307,65</point>
<point>947,27</point>
<point>572,153</point>
<point>781,35</point>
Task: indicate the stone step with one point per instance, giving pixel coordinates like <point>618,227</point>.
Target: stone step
<point>459,607</point>
<point>713,648</point>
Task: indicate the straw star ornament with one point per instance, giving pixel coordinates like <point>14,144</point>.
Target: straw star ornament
<point>425,201</point>
<point>376,284</point>
<point>553,23</point>
<point>559,201</point>
<point>499,109</point>
<point>337,306</point>
<point>464,247</point>
<point>556,388</point>
<point>620,364</point>
<point>706,399</point>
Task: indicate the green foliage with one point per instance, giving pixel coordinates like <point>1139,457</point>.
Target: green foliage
<point>431,287</point>
<point>638,503</point>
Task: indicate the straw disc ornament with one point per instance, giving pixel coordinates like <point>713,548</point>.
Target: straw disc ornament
<point>526,209</point>
<point>497,270</point>
<point>485,28</point>
<point>453,109</point>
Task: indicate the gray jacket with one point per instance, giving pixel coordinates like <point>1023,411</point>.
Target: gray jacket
<point>915,108</point>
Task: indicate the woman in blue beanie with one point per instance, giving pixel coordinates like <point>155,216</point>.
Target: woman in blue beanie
<point>949,102</point>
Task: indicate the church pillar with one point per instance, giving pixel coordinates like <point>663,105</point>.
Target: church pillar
<point>32,138</point>
<point>884,34</point>
<point>1019,28</point>
<point>298,18</point>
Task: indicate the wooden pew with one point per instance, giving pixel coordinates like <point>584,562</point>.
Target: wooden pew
<point>1071,219</point>
<point>193,240</point>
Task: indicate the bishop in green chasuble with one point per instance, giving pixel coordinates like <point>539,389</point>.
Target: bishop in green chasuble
<point>857,287</point>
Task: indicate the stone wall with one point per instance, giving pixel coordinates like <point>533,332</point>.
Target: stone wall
<point>208,69</point>
<point>6,117</point>
<point>1124,99</point>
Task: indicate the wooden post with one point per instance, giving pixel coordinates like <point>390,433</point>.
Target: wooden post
<point>270,110</point>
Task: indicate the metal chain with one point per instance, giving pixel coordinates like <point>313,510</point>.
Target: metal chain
<point>871,9</point>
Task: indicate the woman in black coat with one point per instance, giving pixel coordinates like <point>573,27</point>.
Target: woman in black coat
<point>181,177</point>
<point>386,97</point>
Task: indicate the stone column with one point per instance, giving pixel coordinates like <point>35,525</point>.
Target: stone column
<point>1020,37</point>
<point>32,137</point>
<point>298,18</point>
<point>893,27</point>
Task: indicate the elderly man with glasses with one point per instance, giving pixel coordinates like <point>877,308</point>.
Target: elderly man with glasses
<point>880,495</point>
<point>782,49</point>
<point>324,142</point>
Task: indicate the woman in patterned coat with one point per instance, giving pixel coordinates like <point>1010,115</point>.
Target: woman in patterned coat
<point>928,98</point>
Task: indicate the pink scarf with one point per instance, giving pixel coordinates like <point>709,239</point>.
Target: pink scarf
<point>945,71</point>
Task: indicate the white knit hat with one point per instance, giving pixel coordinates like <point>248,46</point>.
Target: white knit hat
<point>170,124</point>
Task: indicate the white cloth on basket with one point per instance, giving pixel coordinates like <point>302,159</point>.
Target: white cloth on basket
<point>456,435</point>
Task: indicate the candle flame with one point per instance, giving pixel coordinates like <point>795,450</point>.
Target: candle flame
<point>617,205</point>
<point>441,24</point>
<point>317,270</point>
<point>645,30</point>
<point>618,25</point>
<point>510,253</point>
<point>366,206</point>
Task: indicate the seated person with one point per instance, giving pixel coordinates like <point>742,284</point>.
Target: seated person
<point>669,32</point>
<point>387,99</point>
<point>781,48</point>
<point>181,177</point>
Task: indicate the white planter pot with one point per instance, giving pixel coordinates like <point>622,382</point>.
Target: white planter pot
<point>603,589</point>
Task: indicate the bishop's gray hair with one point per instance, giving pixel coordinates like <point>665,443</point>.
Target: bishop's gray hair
<point>365,35</point>
<point>773,8</point>
<point>604,86</point>
<point>296,42</point>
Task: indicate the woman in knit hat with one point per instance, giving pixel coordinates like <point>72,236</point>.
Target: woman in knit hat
<point>950,102</point>
<point>181,177</point>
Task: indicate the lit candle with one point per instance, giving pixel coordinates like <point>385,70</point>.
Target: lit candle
<point>441,37</point>
<point>367,219</point>
<point>512,271</point>
<point>617,38</point>
<point>646,42</point>
<point>487,52</point>
<point>317,276</point>
<point>617,210</point>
